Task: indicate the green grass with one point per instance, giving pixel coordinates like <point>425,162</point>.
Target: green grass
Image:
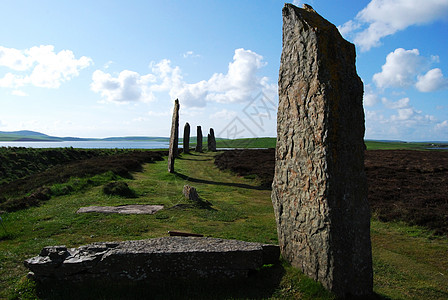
<point>408,262</point>
<point>264,142</point>
<point>270,142</point>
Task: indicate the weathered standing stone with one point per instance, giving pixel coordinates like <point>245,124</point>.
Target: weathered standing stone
<point>211,142</point>
<point>186,139</point>
<point>319,191</point>
<point>199,140</point>
<point>160,259</point>
<point>173,137</point>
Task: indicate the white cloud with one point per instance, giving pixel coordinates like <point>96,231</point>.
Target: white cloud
<point>405,68</point>
<point>15,59</point>
<point>43,67</point>
<point>370,98</point>
<point>433,80</point>
<point>223,115</point>
<point>128,86</point>
<point>19,93</point>
<point>400,104</point>
<point>190,54</point>
<point>348,27</point>
<point>443,127</point>
<point>381,18</point>
<point>240,81</point>
<point>400,69</point>
<point>405,114</point>
<point>237,85</point>
<point>400,120</point>
<point>159,113</point>
<point>108,64</point>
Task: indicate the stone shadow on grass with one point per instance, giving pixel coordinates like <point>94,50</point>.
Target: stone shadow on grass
<point>239,185</point>
<point>260,284</point>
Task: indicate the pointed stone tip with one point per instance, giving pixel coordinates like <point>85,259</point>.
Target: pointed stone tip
<point>308,8</point>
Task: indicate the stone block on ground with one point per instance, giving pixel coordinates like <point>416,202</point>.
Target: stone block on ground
<point>166,258</point>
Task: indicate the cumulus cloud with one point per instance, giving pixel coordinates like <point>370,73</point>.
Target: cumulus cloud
<point>433,80</point>
<point>400,69</point>
<point>128,86</point>
<point>405,68</point>
<point>400,104</point>
<point>406,114</point>
<point>443,126</point>
<point>40,66</point>
<point>400,120</point>
<point>237,85</point>
<point>381,18</point>
<point>370,98</point>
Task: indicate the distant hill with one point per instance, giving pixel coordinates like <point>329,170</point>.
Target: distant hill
<point>33,136</point>
<point>26,136</point>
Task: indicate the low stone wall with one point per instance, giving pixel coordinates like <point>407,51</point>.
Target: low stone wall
<point>166,258</point>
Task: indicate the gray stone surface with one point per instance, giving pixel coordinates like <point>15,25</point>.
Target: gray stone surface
<point>137,209</point>
<point>166,258</point>
<point>211,141</point>
<point>186,139</point>
<point>319,191</point>
<point>199,139</point>
<point>172,153</point>
<point>190,193</point>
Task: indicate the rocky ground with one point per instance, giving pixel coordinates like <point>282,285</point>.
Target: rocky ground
<point>403,184</point>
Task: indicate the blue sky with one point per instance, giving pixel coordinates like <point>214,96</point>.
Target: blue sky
<point>114,68</point>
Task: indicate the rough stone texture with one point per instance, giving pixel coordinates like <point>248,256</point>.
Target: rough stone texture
<point>173,137</point>
<point>190,193</point>
<point>186,139</point>
<point>211,142</point>
<point>319,191</point>
<point>199,140</point>
<point>122,209</point>
<point>166,258</point>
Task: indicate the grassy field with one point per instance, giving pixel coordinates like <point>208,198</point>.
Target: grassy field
<point>408,262</point>
<point>269,142</point>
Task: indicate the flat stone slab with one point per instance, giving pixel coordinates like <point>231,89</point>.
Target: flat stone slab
<point>122,209</point>
<point>166,258</point>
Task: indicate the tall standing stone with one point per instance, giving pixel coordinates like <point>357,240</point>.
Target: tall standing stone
<point>186,139</point>
<point>172,153</point>
<point>199,139</point>
<point>319,191</point>
<point>211,142</point>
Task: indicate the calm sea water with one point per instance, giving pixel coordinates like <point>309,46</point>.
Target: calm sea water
<point>89,144</point>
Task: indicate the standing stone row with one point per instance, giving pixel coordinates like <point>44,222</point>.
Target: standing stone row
<point>186,139</point>
<point>211,142</point>
<point>199,139</point>
<point>319,190</point>
<point>174,137</point>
